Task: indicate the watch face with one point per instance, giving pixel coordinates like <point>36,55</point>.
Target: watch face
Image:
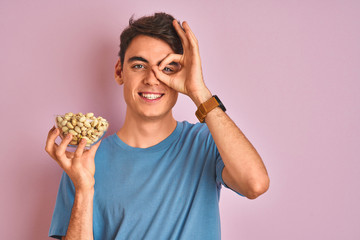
<point>221,105</point>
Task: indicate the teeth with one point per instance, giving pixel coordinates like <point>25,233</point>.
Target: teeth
<point>150,96</point>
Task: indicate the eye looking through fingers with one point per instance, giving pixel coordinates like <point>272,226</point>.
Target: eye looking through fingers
<point>168,70</point>
<point>171,68</point>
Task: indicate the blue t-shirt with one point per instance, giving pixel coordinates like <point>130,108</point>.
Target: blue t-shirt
<point>167,191</point>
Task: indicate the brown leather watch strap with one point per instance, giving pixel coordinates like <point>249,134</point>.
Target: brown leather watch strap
<point>205,108</point>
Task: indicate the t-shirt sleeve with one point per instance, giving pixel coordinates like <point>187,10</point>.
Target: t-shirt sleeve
<point>63,207</point>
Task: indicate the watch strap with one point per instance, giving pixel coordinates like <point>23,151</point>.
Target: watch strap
<point>206,107</point>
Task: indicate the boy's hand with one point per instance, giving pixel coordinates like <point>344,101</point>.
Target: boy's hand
<point>189,79</point>
<point>79,165</point>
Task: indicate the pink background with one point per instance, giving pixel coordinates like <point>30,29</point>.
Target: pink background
<point>288,72</point>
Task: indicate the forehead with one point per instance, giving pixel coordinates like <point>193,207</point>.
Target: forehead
<point>152,49</point>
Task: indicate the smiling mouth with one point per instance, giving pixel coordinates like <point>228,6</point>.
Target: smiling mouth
<point>151,96</point>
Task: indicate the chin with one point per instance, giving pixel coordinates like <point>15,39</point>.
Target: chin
<point>154,117</point>
<point>157,116</point>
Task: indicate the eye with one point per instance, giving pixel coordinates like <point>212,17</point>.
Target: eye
<point>138,66</point>
<point>168,70</point>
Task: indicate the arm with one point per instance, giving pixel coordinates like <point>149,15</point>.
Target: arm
<point>244,170</point>
<point>81,220</point>
<point>80,167</point>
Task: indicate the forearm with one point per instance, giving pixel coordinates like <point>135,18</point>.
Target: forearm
<point>81,220</point>
<point>244,169</point>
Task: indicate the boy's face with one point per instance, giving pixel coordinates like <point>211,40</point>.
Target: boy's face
<point>145,95</point>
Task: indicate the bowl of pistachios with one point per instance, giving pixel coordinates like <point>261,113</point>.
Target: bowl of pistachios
<point>81,126</point>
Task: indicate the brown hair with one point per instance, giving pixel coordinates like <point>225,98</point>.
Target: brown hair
<point>157,26</point>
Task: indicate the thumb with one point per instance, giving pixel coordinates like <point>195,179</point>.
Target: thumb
<point>94,148</point>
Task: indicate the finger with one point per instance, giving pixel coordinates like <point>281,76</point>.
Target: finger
<point>52,135</point>
<point>60,151</point>
<point>187,28</point>
<point>167,79</point>
<point>80,149</point>
<point>69,155</point>
<point>190,35</point>
<point>94,148</point>
<point>181,34</point>
<point>169,59</point>
<point>51,146</point>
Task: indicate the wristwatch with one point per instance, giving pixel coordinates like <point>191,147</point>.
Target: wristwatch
<point>207,106</point>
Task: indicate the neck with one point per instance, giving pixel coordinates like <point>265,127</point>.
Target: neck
<point>144,133</point>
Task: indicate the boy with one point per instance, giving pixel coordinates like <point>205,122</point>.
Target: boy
<point>156,178</point>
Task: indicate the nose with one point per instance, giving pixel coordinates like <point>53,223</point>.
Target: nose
<point>151,79</point>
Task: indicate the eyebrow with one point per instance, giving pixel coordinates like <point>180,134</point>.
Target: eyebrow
<point>138,58</point>
<point>174,63</point>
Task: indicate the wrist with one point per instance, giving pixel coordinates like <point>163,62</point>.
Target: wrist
<point>208,106</point>
<point>86,188</point>
<point>85,193</point>
<point>83,181</point>
<point>201,97</point>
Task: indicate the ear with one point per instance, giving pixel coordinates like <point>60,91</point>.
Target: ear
<point>118,73</point>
